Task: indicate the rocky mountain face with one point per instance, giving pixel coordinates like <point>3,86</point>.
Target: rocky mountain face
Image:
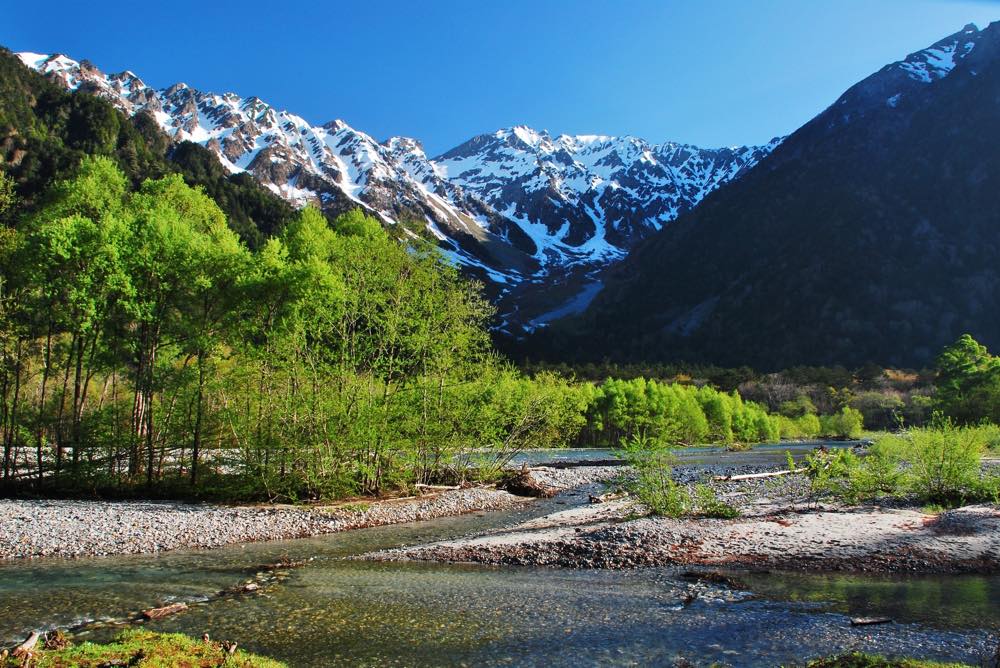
<point>589,197</point>
<point>870,234</point>
<point>527,213</point>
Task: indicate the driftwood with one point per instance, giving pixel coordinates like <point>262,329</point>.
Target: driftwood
<point>752,476</point>
<point>584,462</point>
<point>27,648</point>
<point>870,621</point>
<point>165,611</point>
<point>522,483</point>
<point>437,488</point>
<point>56,640</point>
<point>609,496</point>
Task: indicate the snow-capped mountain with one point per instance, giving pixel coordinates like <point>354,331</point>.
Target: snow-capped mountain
<point>589,197</point>
<point>897,82</point>
<point>516,207</point>
<point>869,235</point>
<point>333,166</point>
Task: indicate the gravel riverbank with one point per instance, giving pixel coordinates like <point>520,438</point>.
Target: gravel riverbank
<point>778,528</point>
<point>92,528</point>
<point>30,529</point>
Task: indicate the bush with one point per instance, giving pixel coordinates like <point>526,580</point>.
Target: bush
<point>655,487</point>
<point>847,423</point>
<point>945,462</point>
<point>654,484</point>
<point>709,504</point>
<point>805,426</point>
<point>937,465</point>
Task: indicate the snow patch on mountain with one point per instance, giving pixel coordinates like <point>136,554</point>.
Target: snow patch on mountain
<point>937,61</point>
<point>512,206</point>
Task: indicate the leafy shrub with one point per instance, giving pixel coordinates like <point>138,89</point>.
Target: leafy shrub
<point>709,504</point>
<point>655,487</point>
<point>944,462</point>
<point>804,426</point>
<point>653,484</point>
<point>847,423</point>
<point>834,473</point>
<point>939,465</point>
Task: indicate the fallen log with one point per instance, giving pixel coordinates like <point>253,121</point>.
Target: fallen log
<point>582,463</point>
<point>870,621</point>
<point>521,483</point>
<point>609,496</point>
<point>752,476</point>
<point>165,611</point>
<point>437,488</point>
<point>27,648</point>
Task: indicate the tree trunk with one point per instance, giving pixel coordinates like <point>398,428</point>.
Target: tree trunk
<point>77,401</point>
<point>196,445</point>
<point>40,427</point>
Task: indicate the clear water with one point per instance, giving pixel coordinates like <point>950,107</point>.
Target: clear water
<point>335,611</point>
<point>766,453</point>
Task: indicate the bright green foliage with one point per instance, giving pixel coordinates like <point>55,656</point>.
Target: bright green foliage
<point>846,423</point>
<point>944,461</point>
<point>146,649</point>
<point>653,483</point>
<point>939,465</point>
<point>708,504</point>
<point>968,382</point>
<point>622,410</point>
<point>146,344</point>
<point>805,426</point>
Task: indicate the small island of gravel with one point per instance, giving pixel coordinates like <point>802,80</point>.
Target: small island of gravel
<point>779,527</point>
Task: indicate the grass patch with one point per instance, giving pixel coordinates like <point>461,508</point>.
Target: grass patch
<point>937,466</point>
<point>145,649</point>
<point>354,507</point>
<point>861,660</point>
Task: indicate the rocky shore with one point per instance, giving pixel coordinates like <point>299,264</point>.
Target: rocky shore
<point>92,528</point>
<point>779,528</point>
<point>30,529</point>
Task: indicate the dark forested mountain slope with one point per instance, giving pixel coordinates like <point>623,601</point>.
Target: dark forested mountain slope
<point>45,131</point>
<point>872,233</point>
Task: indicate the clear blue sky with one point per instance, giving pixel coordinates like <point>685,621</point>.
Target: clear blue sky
<point>709,72</point>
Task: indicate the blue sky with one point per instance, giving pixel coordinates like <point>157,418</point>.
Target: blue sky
<point>708,72</point>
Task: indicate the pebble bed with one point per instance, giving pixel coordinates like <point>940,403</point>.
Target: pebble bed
<point>30,528</point>
<point>780,526</point>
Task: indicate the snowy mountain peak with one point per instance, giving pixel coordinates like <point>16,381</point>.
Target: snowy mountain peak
<point>938,60</point>
<point>897,83</point>
<point>516,206</point>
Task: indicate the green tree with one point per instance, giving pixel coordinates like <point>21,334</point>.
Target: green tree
<point>968,382</point>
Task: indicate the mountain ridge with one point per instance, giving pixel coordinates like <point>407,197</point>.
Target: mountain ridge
<point>557,219</point>
<point>869,234</point>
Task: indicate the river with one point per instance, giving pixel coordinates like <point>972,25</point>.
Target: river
<point>340,612</point>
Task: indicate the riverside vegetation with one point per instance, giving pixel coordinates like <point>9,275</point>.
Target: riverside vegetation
<point>139,648</point>
<point>146,349</point>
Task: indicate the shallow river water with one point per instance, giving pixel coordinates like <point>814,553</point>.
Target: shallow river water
<point>340,612</point>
